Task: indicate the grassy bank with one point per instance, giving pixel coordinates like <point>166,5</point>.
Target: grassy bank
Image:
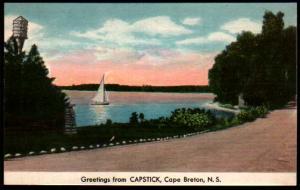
<point>16,142</point>
<point>181,122</point>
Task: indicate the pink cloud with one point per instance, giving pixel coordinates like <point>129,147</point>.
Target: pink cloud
<point>165,68</point>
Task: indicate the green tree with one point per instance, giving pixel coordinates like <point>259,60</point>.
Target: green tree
<point>230,71</point>
<point>134,118</point>
<point>44,97</point>
<point>30,96</point>
<point>268,84</point>
<point>289,57</point>
<point>108,122</point>
<point>141,117</point>
<point>261,67</point>
<point>12,78</point>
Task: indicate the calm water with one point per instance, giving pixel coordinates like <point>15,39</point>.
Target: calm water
<point>122,104</point>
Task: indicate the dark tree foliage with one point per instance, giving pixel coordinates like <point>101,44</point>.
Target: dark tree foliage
<point>134,118</point>
<point>12,77</point>
<point>262,67</point>
<point>30,97</point>
<point>141,117</point>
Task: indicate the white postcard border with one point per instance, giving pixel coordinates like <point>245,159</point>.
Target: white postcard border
<point>149,178</point>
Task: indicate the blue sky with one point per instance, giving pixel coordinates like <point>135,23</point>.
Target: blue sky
<point>60,19</point>
<point>133,31</point>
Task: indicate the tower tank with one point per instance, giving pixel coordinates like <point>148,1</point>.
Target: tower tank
<point>20,27</point>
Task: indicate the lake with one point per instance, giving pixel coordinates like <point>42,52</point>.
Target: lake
<point>122,104</point>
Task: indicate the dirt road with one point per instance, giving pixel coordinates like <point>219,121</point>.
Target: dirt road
<point>266,145</point>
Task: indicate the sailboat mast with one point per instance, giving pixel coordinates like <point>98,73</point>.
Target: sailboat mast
<point>103,79</point>
<point>104,93</point>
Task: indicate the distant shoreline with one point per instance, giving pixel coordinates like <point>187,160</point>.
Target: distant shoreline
<point>143,91</point>
<point>145,88</point>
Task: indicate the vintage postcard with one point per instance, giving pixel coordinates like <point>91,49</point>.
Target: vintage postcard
<point>150,94</point>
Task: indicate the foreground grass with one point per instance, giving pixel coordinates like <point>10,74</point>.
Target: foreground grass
<point>24,142</point>
<point>182,122</point>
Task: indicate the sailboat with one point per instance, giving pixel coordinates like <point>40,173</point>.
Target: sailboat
<point>101,97</point>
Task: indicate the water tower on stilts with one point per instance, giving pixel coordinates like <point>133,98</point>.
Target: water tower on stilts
<point>20,27</point>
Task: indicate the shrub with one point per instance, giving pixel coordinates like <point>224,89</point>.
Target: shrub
<point>189,118</point>
<point>134,118</point>
<point>108,122</point>
<point>262,111</point>
<point>235,121</point>
<point>141,117</point>
<point>252,113</point>
<point>245,116</point>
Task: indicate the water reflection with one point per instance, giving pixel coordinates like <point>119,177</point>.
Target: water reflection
<point>87,114</point>
<point>100,113</point>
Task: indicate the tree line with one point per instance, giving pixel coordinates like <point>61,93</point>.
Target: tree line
<point>30,97</point>
<point>144,88</point>
<point>260,67</point>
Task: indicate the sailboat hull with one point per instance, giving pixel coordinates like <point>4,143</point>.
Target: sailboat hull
<point>100,103</point>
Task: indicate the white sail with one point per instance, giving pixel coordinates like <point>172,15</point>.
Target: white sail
<point>106,96</point>
<point>101,96</point>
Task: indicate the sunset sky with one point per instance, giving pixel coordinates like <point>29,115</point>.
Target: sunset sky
<point>137,44</point>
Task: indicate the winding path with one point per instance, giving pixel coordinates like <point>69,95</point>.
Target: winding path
<point>266,145</point>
